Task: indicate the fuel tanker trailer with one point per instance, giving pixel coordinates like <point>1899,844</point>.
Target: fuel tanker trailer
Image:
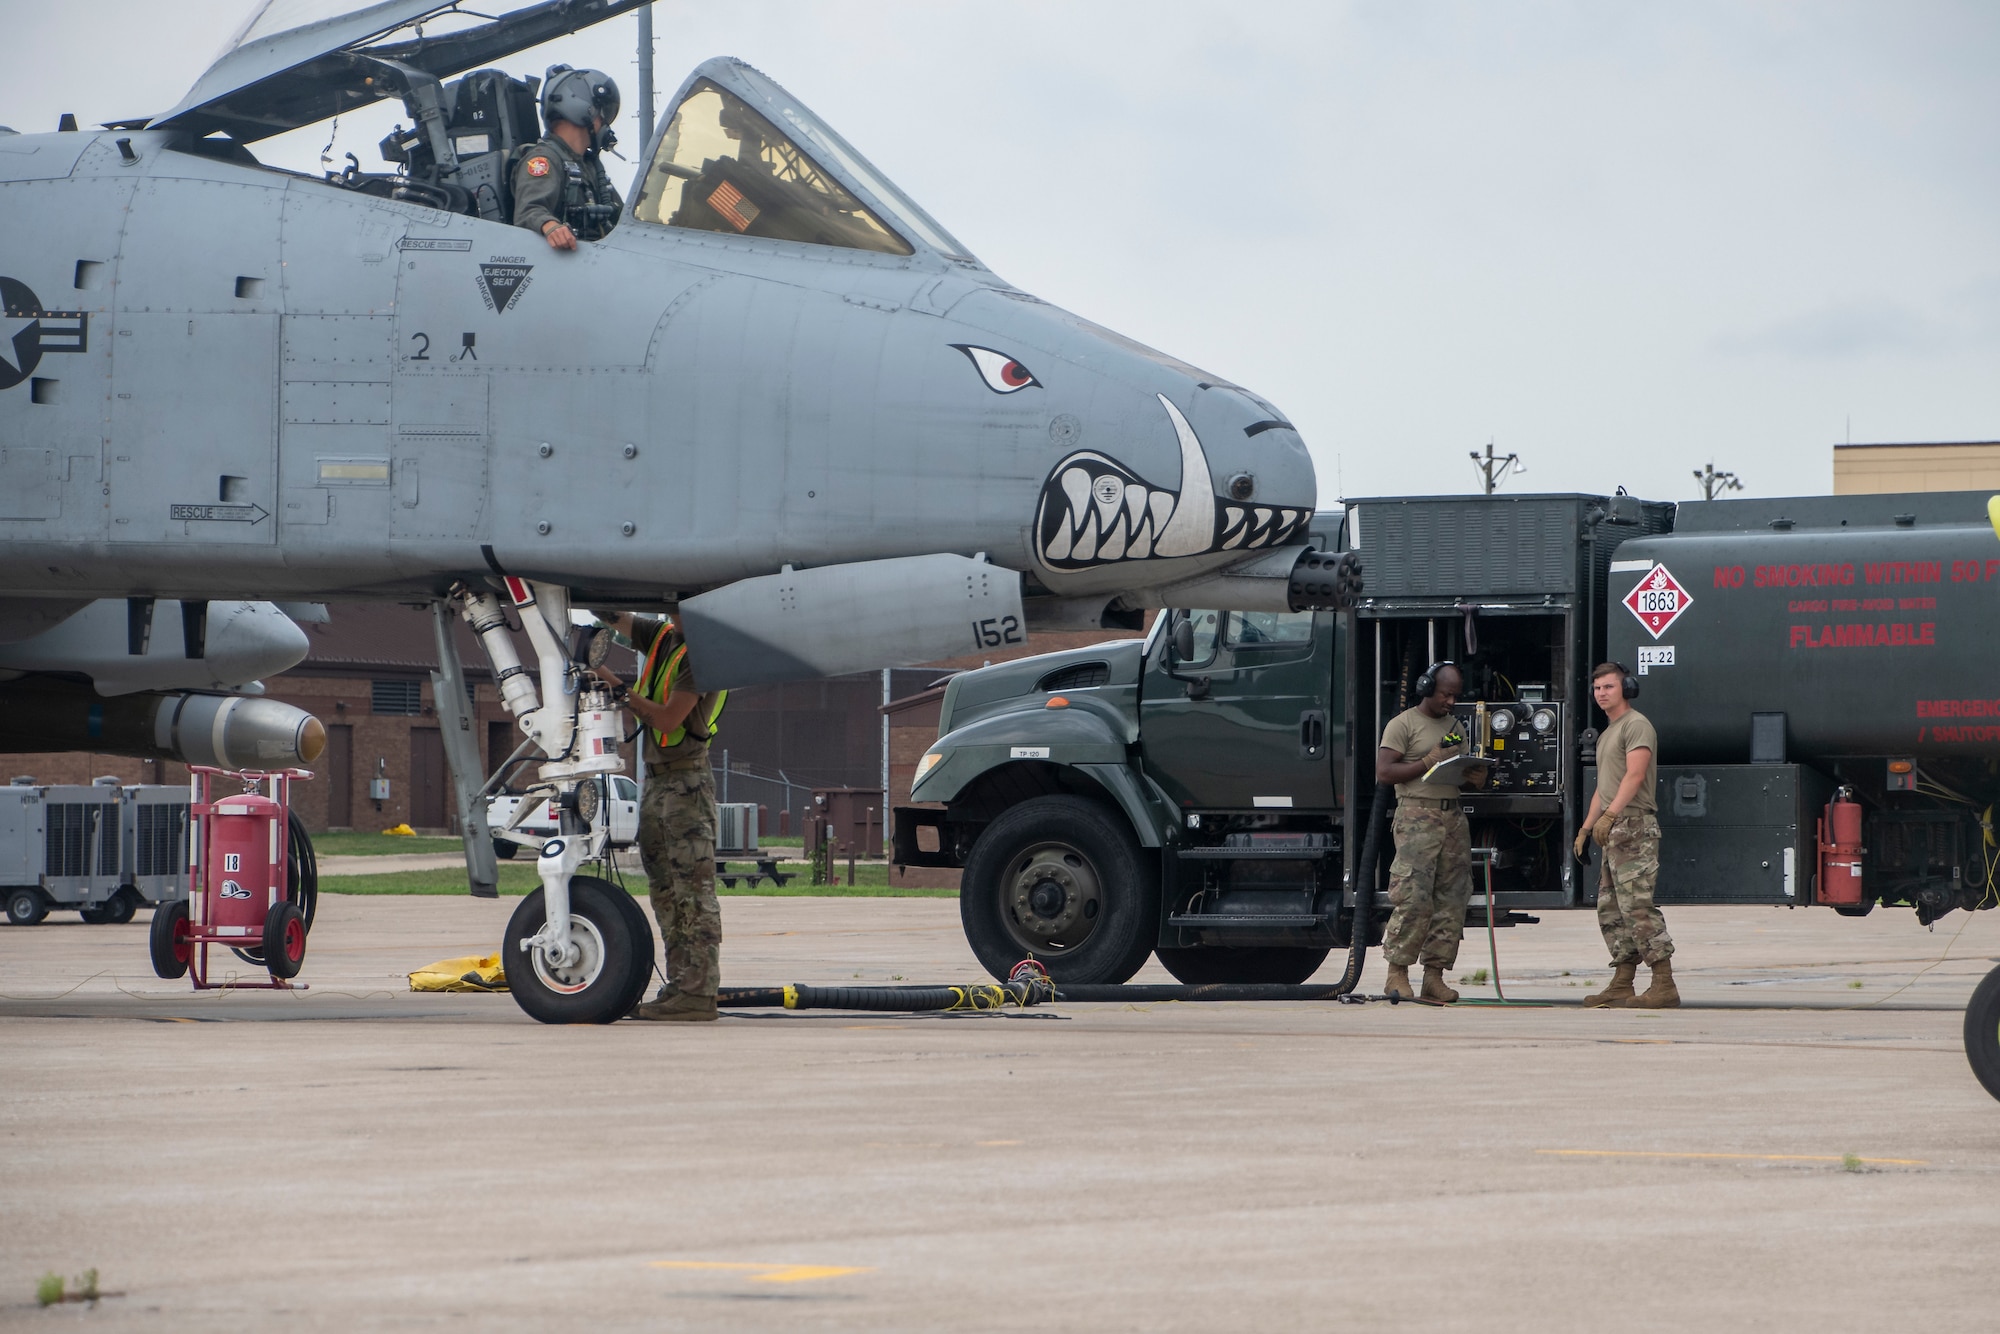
<point>1823,675</point>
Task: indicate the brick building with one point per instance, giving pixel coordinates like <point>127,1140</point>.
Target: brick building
<point>367,677</point>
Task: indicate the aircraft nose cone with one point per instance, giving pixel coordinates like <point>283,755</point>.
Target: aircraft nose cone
<point>1245,484</point>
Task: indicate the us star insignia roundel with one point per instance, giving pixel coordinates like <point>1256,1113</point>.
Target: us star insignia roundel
<point>538,166</point>
<point>1658,601</point>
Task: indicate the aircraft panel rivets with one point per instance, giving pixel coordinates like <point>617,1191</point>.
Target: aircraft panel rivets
<point>631,451</point>
<point>546,449</point>
<point>543,527</point>
<point>628,528</point>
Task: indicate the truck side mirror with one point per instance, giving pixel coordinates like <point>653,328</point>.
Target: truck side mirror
<point>1182,639</point>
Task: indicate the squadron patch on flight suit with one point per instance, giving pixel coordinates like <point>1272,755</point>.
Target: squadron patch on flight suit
<point>538,166</point>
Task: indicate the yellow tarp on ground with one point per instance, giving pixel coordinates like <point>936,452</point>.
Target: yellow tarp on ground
<point>475,972</point>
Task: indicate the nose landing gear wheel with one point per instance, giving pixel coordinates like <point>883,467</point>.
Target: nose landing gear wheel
<point>1982,1032</point>
<point>613,958</point>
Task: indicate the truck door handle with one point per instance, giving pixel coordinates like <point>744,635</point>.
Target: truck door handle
<point>1312,734</point>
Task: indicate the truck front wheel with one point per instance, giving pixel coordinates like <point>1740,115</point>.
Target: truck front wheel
<point>1061,879</point>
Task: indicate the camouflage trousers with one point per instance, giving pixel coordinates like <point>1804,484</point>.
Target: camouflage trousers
<point>1429,884</point>
<point>1633,929</point>
<point>677,844</point>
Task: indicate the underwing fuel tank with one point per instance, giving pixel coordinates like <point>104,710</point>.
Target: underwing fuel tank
<point>1870,623</point>
<point>131,644</point>
<point>226,731</point>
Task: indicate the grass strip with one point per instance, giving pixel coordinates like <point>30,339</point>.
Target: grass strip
<point>360,843</point>
<point>516,879</point>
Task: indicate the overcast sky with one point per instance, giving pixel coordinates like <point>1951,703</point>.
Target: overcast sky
<point>1620,239</point>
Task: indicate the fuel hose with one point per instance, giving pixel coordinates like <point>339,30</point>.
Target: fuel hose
<point>1364,893</point>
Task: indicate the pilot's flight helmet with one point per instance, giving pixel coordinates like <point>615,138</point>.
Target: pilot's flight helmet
<point>574,94</point>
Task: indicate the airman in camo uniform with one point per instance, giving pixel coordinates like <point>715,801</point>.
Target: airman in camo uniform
<point>1430,882</point>
<point>677,817</point>
<point>1622,820</point>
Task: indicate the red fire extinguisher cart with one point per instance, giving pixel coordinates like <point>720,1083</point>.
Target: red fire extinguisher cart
<point>238,846</point>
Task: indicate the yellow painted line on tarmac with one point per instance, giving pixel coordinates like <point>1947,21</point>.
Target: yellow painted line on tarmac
<point>1745,1157</point>
<point>765,1272</point>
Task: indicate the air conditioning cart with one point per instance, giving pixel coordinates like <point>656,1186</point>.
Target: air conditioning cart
<point>238,854</point>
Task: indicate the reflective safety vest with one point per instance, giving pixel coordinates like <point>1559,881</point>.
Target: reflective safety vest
<point>656,683</point>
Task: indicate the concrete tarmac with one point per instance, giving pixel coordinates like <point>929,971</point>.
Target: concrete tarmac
<point>359,1157</point>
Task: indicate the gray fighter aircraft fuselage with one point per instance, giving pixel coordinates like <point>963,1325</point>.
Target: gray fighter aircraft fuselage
<point>219,380</point>
<point>776,397</point>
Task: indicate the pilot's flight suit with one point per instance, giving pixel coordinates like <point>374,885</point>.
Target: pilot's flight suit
<point>677,820</point>
<point>551,182</point>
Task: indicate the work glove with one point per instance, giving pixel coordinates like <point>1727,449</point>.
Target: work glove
<point>1582,835</point>
<point>1601,831</point>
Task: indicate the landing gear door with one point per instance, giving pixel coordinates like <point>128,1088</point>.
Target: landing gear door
<point>1258,735</point>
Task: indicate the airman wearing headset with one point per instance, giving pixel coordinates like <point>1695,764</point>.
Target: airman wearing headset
<point>1430,881</point>
<point>1621,818</point>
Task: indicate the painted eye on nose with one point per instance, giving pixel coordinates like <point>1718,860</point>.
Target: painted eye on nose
<point>1002,374</point>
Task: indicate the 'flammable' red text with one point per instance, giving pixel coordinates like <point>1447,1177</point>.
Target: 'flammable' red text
<point>1890,634</point>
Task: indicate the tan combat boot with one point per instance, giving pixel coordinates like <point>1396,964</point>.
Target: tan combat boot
<point>1399,982</point>
<point>1619,992</point>
<point>679,1008</point>
<point>1663,994</point>
<point>1435,988</point>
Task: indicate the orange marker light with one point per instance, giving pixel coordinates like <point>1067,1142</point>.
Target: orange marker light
<point>1900,766</point>
<point>1057,702</point>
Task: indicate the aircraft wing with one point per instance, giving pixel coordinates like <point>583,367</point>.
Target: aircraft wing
<point>291,64</point>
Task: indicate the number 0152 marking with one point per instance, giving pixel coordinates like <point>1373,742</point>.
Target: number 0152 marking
<point>995,631</point>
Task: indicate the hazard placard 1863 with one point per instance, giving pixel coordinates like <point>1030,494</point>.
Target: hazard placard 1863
<point>1658,600</point>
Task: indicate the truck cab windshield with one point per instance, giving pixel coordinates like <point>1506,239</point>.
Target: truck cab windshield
<point>721,167</point>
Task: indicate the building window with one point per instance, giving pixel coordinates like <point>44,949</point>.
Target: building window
<point>403,698</point>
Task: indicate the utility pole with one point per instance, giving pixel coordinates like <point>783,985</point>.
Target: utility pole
<point>1713,481</point>
<point>1493,468</point>
<point>645,110</point>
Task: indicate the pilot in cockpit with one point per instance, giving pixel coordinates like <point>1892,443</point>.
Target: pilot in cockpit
<point>560,186</point>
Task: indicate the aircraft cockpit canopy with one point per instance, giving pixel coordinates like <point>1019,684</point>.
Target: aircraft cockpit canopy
<point>721,167</point>
<point>773,170</point>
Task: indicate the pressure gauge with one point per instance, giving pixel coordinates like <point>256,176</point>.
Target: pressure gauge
<point>1503,721</point>
<point>1543,721</point>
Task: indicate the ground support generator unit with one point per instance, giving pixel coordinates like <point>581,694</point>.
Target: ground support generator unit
<point>240,883</point>
<point>100,849</point>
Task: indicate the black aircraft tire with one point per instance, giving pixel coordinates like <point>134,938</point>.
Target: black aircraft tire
<point>1071,857</point>
<point>598,988</point>
<point>25,907</point>
<point>1982,1032</point>
<point>642,938</point>
<point>166,940</point>
<point>284,951</point>
<point>1287,965</point>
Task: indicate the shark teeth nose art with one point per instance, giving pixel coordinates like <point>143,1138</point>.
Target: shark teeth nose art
<point>1096,511</point>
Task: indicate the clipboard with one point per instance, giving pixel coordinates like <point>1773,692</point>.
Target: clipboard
<point>1454,770</point>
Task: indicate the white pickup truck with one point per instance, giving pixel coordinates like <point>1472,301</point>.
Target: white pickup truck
<point>623,804</point>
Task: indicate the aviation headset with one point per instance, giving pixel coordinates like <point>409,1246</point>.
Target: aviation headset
<point>1628,684</point>
<point>1427,684</point>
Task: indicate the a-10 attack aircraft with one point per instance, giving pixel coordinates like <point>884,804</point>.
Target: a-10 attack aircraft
<point>778,398</point>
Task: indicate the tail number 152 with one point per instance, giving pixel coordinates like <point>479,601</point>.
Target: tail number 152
<point>996,631</point>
